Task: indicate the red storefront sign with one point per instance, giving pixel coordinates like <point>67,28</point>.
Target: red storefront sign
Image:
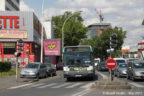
<point>11,24</point>
<point>31,58</point>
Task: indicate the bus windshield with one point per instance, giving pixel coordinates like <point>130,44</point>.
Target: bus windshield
<point>77,59</point>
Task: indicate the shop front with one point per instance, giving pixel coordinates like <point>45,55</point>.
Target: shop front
<point>19,25</point>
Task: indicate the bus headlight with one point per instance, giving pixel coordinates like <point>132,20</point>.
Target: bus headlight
<point>90,68</point>
<point>66,69</point>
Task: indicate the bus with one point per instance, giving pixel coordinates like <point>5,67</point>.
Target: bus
<point>78,62</point>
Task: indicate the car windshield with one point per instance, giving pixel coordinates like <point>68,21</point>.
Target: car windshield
<point>48,65</point>
<point>77,59</point>
<point>123,65</point>
<point>32,65</point>
<point>139,65</point>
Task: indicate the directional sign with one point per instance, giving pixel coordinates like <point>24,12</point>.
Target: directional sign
<point>111,63</point>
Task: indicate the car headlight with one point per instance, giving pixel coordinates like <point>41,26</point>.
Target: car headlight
<point>90,68</point>
<point>66,69</point>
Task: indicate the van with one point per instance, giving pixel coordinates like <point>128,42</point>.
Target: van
<point>135,70</point>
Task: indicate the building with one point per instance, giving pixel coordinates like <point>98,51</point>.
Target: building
<point>96,29</point>
<point>20,25</point>
<point>9,5</point>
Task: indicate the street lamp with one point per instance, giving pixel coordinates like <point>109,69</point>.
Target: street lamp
<point>63,29</point>
<point>42,33</point>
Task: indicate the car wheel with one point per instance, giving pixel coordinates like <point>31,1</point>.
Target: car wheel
<point>37,77</point>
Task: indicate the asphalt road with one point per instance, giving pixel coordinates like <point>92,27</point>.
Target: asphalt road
<point>50,87</point>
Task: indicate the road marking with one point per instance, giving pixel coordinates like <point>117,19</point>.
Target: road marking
<point>136,84</point>
<point>103,76</point>
<point>47,85</point>
<point>20,86</point>
<point>34,85</point>
<point>81,93</point>
<point>61,85</point>
<point>74,85</point>
<point>87,85</point>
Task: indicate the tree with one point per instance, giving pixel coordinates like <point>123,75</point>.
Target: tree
<point>143,22</point>
<point>102,43</point>
<point>74,30</point>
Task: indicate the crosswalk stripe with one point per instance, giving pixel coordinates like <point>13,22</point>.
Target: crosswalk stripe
<point>20,86</point>
<point>47,85</point>
<point>87,85</point>
<point>136,84</point>
<point>34,85</point>
<point>61,85</point>
<point>74,85</point>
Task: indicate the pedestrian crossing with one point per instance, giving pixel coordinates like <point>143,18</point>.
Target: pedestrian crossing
<point>67,85</point>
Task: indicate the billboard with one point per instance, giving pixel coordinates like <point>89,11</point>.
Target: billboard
<point>12,34</point>
<point>52,47</point>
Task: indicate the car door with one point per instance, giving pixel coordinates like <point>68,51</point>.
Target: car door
<point>42,70</point>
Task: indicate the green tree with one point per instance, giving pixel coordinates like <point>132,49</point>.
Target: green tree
<point>74,30</point>
<point>143,22</point>
<point>102,43</point>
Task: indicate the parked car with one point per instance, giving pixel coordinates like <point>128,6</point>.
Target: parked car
<point>51,69</point>
<point>34,70</point>
<point>96,61</point>
<point>102,66</point>
<point>135,70</point>
<point>121,70</point>
<point>59,66</point>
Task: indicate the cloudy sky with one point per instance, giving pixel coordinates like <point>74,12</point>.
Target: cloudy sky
<point>127,14</point>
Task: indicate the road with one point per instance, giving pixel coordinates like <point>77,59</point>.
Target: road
<point>57,86</point>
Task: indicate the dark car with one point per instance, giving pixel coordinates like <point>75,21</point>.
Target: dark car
<point>51,69</point>
<point>59,66</point>
<point>102,66</point>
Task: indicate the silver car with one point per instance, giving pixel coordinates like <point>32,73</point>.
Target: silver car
<point>121,70</point>
<point>135,70</point>
<point>34,70</point>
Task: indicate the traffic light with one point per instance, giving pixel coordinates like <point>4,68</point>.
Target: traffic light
<point>20,44</point>
<point>113,40</point>
<point>17,54</point>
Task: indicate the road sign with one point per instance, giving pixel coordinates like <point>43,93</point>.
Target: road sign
<point>111,63</point>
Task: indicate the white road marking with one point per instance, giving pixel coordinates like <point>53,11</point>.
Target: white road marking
<point>103,76</point>
<point>34,85</point>
<point>81,93</point>
<point>87,85</point>
<point>74,85</point>
<point>61,85</point>
<point>136,84</point>
<point>47,85</point>
<point>20,86</point>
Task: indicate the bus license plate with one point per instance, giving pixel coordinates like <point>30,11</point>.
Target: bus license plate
<point>78,75</point>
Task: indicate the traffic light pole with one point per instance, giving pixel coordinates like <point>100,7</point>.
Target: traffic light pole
<point>111,77</point>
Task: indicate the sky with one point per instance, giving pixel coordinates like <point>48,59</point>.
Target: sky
<point>127,14</point>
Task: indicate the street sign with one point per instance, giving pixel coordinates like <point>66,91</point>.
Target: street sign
<point>111,63</point>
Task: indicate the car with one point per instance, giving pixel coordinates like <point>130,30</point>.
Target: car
<point>120,60</point>
<point>51,69</point>
<point>135,70</point>
<point>102,66</point>
<point>34,70</point>
<point>131,59</point>
<point>59,66</point>
<point>121,70</point>
<point>96,61</point>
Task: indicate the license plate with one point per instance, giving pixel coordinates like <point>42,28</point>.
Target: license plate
<point>78,75</point>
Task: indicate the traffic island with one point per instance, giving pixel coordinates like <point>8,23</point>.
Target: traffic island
<point>108,84</point>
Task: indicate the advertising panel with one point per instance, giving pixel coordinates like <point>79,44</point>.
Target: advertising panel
<point>13,34</point>
<point>52,47</point>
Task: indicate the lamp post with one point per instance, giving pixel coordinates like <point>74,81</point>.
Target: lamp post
<point>42,33</point>
<point>63,29</point>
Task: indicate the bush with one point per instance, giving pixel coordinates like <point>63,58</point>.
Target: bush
<point>5,66</point>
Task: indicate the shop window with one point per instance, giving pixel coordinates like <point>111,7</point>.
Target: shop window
<point>9,48</point>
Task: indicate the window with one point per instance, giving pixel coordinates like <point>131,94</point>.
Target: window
<point>9,48</point>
